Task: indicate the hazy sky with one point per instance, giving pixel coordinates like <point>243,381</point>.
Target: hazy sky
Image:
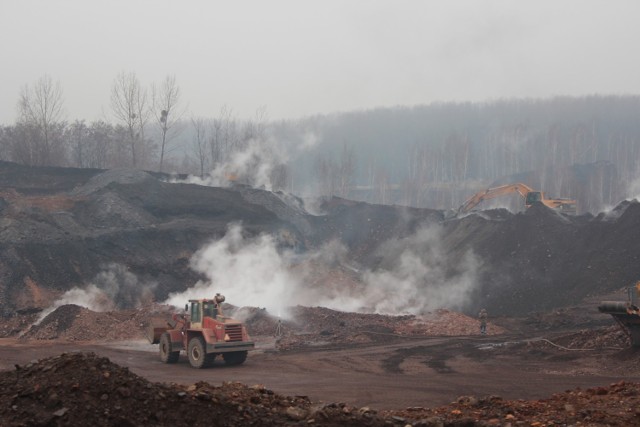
<point>300,58</point>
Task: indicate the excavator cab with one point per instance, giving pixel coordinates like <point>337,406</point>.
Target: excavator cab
<point>533,197</point>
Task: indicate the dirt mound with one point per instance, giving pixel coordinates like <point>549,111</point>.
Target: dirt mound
<point>315,326</point>
<point>74,323</point>
<point>528,262</point>
<point>84,389</point>
<point>306,326</point>
<point>617,404</point>
<point>540,260</point>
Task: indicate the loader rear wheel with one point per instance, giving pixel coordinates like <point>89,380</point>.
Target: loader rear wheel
<point>198,357</point>
<point>167,355</point>
<point>234,357</point>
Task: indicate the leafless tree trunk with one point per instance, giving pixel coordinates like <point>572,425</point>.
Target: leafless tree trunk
<point>199,142</point>
<point>166,99</point>
<point>326,178</point>
<point>129,105</point>
<point>78,134</point>
<point>279,178</point>
<point>346,170</point>
<point>41,107</point>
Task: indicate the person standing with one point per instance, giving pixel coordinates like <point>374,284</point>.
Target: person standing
<point>482,316</point>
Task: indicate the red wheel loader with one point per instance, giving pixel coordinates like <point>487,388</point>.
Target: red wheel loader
<point>204,332</point>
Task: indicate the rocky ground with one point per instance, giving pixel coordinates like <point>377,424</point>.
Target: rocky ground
<point>77,388</point>
<point>538,273</point>
<point>84,389</point>
<point>61,228</point>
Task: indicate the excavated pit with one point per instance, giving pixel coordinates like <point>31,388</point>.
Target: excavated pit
<point>538,273</point>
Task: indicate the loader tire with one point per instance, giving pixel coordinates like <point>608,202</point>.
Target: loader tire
<point>197,351</point>
<point>234,357</point>
<point>167,355</point>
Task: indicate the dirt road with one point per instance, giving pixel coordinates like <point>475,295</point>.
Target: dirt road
<point>413,372</point>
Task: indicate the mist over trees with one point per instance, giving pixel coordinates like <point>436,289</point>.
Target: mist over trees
<point>435,156</point>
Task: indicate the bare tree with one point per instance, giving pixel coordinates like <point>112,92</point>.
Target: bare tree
<point>223,136</point>
<point>326,182</point>
<point>199,142</point>
<point>280,178</point>
<point>41,108</point>
<point>78,137</point>
<point>129,105</point>
<point>346,170</point>
<point>166,99</point>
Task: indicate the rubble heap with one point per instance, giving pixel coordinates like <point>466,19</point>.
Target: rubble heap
<point>306,326</point>
<point>618,404</point>
<point>74,323</point>
<point>84,389</point>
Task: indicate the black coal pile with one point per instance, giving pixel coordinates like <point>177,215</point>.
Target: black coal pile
<point>539,260</point>
<point>62,227</point>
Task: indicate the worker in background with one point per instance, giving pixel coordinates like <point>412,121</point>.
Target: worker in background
<point>482,316</point>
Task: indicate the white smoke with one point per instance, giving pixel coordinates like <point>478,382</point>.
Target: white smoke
<point>414,277</point>
<point>633,190</point>
<point>248,271</point>
<point>111,289</point>
<point>417,276</point>
<point>256,164</point>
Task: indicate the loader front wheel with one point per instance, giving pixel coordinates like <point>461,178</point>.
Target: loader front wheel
<point>234,357</point>
<point>167,355</point>
<point>197,351</point>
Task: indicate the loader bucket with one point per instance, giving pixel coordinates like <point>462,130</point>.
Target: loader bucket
<point>155,328</point>
<point>626,316</point>
<point>612,307</point>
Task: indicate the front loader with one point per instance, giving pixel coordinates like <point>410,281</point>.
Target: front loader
<point>204,332</point>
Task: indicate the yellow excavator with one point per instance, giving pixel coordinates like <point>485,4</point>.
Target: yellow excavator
<point>530,196</point>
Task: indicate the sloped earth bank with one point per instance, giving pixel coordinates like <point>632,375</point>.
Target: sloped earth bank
<point>340,369</point>
<point>60,228</point>
<point>86,388</point>
<point>539,274</point>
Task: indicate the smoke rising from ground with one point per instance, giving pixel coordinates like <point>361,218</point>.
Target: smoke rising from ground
<point>416,276</point>
<point>111,289</point>
<point>413,277</point>
<point>262,162</point>
<point>248,271</point>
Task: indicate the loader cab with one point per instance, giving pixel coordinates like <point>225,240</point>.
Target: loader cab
<point>210,309</point>
<point>199,309</point>
<point>195,312</point>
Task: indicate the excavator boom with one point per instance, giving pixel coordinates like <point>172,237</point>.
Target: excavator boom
<point>491,193</point>
<point>564,205</point>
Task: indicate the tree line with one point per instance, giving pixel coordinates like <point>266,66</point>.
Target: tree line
<point>434,156</point>
<point>149,129</point>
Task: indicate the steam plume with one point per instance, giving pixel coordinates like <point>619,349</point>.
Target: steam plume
<point>414,276</point>
<point>111,289</point>
<point>257,164</point>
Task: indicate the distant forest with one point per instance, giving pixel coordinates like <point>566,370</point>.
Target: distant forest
<point>436,156</point>
<point>433,156</point>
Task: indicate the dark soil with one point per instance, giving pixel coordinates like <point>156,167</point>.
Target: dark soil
<point>540,276</point>
<point>84,389</point>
